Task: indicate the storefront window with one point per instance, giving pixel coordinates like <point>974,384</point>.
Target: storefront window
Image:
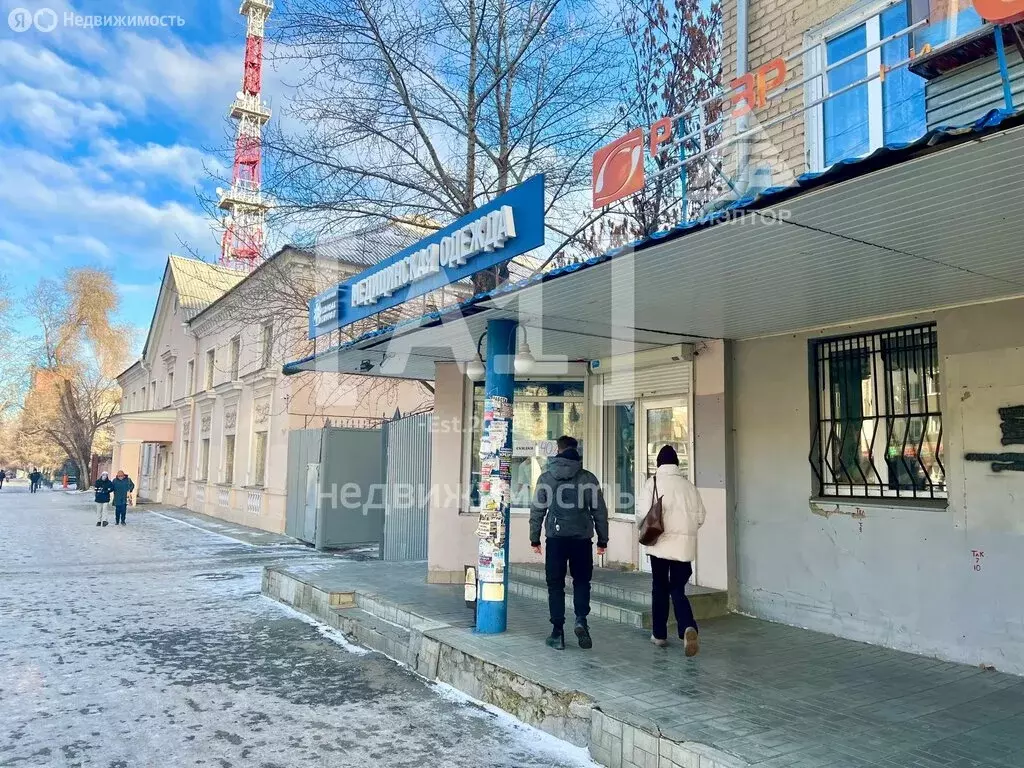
<point>624,424</point>
<point>542,411</point>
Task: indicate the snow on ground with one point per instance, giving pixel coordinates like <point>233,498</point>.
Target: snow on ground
<point>149,645</point>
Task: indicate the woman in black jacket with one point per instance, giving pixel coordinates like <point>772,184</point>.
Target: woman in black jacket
<point>103,488</point>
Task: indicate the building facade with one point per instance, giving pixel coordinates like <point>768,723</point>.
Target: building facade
<point>206,412</point>
<point>839,359</point>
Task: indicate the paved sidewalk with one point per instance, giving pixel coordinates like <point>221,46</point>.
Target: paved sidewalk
<point>767,694</point>
<point>241,533</point>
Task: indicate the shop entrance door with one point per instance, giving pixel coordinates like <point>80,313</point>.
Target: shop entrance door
<point>662,422</point>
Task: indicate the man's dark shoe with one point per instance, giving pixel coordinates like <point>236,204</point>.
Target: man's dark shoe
<point>583,634</point>
<point>98,523</point>
<point>104,523</point>
<point>557,639</point>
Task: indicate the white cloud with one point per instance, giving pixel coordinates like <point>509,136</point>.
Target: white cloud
<point>85,244</point>
<point>65,201</point>
<point>43,68</point>
<point>186,165</point>
<point>51,116</point>
<point>14,255</point>
<point>131,73</point>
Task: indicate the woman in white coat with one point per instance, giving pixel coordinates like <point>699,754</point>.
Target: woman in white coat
<point>672,555</point>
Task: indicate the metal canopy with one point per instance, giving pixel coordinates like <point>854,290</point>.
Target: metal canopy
<point>937,230</point>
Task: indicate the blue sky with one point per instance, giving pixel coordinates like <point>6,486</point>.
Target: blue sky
<point>108,137</point>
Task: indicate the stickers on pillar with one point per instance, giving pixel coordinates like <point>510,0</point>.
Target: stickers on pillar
<point>497,407</point>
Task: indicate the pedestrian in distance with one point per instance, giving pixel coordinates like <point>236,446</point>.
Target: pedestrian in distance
<point>569,506</point>
<point>674,552</point>
<point>103,489</point>
<point>34,478</point>
<point>3,476</point>
<point>121,489</point>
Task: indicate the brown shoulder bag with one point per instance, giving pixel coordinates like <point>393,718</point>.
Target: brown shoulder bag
<point>654,524</point>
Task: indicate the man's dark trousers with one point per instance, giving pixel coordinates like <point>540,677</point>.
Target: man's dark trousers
<point>119,513</point>
<point>578,554</point>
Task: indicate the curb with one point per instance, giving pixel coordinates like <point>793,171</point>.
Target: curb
<point>614,739</point>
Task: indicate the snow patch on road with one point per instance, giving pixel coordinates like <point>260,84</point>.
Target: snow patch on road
<point>530,738</point>
<point>201,528</point>
<point>330,633</point>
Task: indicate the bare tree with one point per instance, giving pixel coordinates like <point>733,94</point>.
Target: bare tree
<point>420,113</point>
<point>73,393</point>
<point>675,69</point>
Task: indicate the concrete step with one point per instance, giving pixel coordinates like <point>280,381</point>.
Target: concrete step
<point>373,632</point>
<point>618,596</point>
<point>605,607</point>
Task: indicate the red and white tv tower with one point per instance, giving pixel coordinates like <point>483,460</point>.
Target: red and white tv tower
<point>244,206</point>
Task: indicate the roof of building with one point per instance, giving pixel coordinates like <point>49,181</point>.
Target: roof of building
<point>200,283</point>
<point>885,157</point>
<point>367,247</point>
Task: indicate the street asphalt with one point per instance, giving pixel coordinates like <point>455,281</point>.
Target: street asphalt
<point>149,645</point>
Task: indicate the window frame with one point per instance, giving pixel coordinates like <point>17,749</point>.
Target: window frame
<point>815,61</point>
<point>211,364</point>
<point>880,348</point>
<point>267,339</point>
<point>183,461</point>
<point>582,403</point>
<point>190,377</point>
<point>203,463</point>
<point>234,357</point>
<point>257,480</point>
<point>228,461</point>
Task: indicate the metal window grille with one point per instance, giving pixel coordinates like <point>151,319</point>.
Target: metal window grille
<point>878,426</point>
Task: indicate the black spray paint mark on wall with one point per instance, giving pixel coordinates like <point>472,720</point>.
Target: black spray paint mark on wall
<point>1012,426</point>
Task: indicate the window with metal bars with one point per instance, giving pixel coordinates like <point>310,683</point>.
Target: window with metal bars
<point>878,431</point>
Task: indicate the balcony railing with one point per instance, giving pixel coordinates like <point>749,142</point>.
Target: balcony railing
<point>254,502</point>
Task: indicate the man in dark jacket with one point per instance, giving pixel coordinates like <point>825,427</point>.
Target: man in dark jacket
<point>34,478</point>
<point>3,476</point>
<point>569,505</point>
<point>121,488</point>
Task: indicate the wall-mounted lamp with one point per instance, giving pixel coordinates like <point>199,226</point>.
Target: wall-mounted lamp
<point>475,369</point>
<point>524,361</point>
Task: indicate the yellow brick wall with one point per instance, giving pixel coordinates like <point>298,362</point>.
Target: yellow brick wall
<point>777,28</point>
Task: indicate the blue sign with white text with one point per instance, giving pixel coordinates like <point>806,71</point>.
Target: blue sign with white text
<point>508,226</point>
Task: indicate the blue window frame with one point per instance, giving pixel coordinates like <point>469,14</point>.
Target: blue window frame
<point>889,110</point>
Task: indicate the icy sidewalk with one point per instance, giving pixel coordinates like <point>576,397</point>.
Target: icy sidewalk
<point>241,533</point>
<point>759,694</point>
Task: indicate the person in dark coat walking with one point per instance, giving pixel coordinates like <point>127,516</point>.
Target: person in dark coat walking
<point>3,476</point>
<point>569,505</point>
<point>121,488</point>
<point>34,478</point>
<point>103,488</point>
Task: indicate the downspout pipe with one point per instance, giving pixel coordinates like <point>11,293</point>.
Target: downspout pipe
<point>742,66</point>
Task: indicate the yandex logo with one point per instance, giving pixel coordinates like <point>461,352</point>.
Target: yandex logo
<point>1000,11</point>
<point>619,169</point>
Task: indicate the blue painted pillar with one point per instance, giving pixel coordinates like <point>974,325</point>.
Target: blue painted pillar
<point>495,479</point>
